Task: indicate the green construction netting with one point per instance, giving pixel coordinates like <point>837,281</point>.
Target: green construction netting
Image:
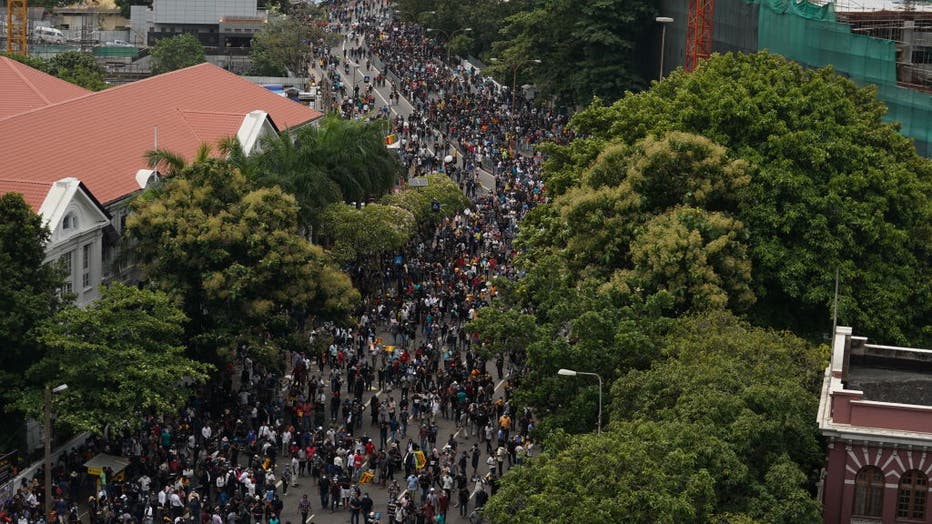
<point>810,34</point>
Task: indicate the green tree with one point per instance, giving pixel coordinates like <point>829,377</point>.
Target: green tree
<point>233,255</point>
<point>721,428</point>
<point>654,216</point>
<point>504,331</point>
<point>120,356</point>
<point>485,17</point>
<point>364,235</point>
<point>28,288</point>
<point>755,389</point>
<point>71,66</point>
<point>176,52</point>
<point>335,161</point>
<point>34,62</point>
<point>697,256</point>
<point>284,43</point>
<point>638,473</point>
<point>78,68</point>
<point>169,163</point>
<point>833,188</point>
<point>586,48</point>
<point>440,189</point>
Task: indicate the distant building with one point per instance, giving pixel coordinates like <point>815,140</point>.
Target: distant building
<point>875,413</point>
<point>216,23</point>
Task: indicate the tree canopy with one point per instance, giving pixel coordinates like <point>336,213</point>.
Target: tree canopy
<point>363,235</point>
<point>440,189</point>
<point>720,428</point>
<point>78,68</point>
<point>121,355</point>
<point>825,185</point>
<point>176,52</point>
<point>737,189</point>
<point>335,161</point>
<point>29,289</point>
<point>71,66</point>
<point>232,253</point>
<point>586,49</point>
<point>283,45</point>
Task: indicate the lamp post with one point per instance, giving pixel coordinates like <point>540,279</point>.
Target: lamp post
<point>514,89</point>
<point>449,36</point>
<point>49,390</point>
<point>663,21</point>
<point>572,373</point>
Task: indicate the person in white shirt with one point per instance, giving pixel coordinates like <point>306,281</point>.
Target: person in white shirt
<point>286,442</point>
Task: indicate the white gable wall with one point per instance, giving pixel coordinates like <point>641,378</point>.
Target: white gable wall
<point>76,224</point>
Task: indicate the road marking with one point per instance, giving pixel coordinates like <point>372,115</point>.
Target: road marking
<point>366,405</point>
<point>309,519</point>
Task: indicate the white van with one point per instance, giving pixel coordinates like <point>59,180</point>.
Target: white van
<point>49,34</point>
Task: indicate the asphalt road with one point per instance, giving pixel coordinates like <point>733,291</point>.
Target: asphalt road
<point>403,108</point>
<point>379,495</point>
<point>307,485</point>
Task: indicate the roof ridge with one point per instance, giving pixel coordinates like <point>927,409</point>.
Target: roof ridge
<point>15,67</point>
<point>24,181</point>
<point>160,75</point>
<point>109,89</point>
<point>192,129</point>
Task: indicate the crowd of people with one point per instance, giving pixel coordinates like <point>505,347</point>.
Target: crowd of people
<point>358,419</point>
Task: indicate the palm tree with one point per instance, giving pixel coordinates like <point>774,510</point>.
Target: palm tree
<point>170,163</point>
<point>354,157</point>
<point>337,161</point>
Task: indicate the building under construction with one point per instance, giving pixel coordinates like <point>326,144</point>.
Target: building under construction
<point>879,42</point>
<point>910,29</point>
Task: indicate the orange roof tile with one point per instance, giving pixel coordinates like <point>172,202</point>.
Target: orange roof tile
<point>211,127</point>
<point>25,88</point>
<point>33,192</point>
<point>100,138</point>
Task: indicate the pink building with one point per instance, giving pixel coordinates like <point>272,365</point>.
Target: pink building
<point>876,415</point>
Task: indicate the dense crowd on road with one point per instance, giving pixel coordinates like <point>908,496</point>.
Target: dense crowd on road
<point>359,419</point>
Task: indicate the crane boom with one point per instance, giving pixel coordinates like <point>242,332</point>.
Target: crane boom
<point>699,32</point>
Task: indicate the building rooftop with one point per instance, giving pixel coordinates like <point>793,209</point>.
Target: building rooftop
<point>101,137</point>
<point>887,384</point>
<point>873,391</point>
<point>25,88</point>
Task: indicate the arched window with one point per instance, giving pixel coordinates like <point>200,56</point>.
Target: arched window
<point>868,492</point>
<point>70,222</point>
<point>911,497</point>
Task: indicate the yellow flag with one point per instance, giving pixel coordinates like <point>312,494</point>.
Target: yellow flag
<point>419,459</point>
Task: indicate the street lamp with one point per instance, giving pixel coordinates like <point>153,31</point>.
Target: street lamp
<point>571,373</point>
<point>449,36</point>
<point>49,391</point>
<point>514,88</point>
<point>663,21</point>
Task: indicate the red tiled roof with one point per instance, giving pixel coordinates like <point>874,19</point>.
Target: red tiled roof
<point>34,193</point>
<point>100,138</point>
<point>24,88</point>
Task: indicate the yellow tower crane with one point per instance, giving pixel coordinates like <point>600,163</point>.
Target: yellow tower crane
<point>17,26</point>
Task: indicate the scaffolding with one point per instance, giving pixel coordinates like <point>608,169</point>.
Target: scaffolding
<point>910,30</point>
<point>17,26</point>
